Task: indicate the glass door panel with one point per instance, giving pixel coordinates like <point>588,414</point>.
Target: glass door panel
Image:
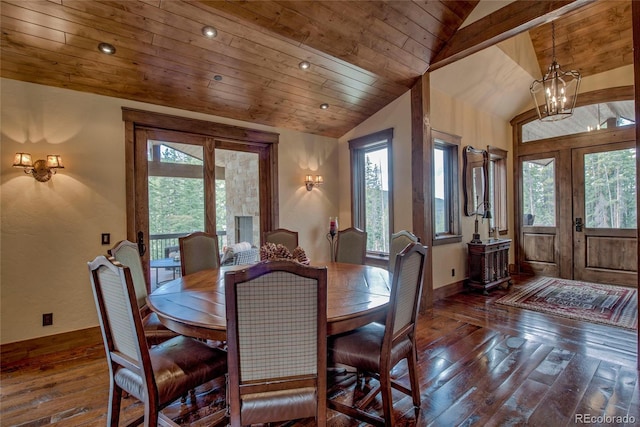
<point>605,212</point>
<point>176,202</point>
<point>610,189</point>
<point>539,235</point>
<point>539,192</point>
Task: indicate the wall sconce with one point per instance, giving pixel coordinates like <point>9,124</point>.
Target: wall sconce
<point>41,170</point>
<point>310,182</point>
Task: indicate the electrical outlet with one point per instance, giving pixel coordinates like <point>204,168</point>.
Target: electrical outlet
<point>106,238</point>
<point>47,319</point>
<point>453,272</point>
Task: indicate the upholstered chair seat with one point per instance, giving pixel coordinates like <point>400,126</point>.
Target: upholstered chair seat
<point>171,362</point>
<point>362,348</point>
<point>295,403</point>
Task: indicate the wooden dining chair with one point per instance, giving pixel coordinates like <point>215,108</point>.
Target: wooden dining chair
<point>198,251</point>
<point>126,253</point>
<point>399,241</point>
<point>376,348</point>
<point>282,236</point>
<point>156,376</point>
<point>276,338</point>
<point>351,246</point>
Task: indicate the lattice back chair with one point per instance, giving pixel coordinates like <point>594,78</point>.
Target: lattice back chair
<point>282,236</point>
<point>126,253</point>
<point>351,246</point>
<point>277,343</point>
<point>158,375</point>
<point>198,251</point>
<point>376,348</point>
<point>399,241</point>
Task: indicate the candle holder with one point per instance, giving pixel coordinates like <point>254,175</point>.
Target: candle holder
<point>331,236</point>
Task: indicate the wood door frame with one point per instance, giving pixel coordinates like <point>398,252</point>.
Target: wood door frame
<point>563,144</point>
<point>216,135</point>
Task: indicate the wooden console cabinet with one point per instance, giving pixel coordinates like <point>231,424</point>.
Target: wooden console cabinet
<point>489,264</point>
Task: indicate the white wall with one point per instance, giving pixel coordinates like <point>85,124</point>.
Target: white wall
<point>50,230</point>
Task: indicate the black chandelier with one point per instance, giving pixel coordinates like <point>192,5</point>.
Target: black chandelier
<point>555,95</point>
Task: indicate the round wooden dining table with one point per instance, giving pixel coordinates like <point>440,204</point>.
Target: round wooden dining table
<point>194,305</point>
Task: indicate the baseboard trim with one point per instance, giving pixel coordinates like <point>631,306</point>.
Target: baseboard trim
<point>14,352</point>
<point>448,290</point>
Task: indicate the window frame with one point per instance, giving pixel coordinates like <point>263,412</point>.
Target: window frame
<point>498,189</point>
<point>450,144</point>
<point>358,147</point>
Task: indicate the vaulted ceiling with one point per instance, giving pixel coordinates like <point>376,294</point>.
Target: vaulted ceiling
<point>362,54</point>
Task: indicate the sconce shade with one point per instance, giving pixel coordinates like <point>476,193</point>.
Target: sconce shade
<point>310,181</point>
<point>55,161</point>
<point>22,160</point>
<point>41,170</point>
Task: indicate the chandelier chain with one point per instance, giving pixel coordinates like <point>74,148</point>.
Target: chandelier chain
<point>553,41</point>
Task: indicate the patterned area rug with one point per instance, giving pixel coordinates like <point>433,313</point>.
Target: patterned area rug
<point>608,304</point>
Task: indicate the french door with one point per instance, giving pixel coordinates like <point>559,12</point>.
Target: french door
<point>578,209</point>
<point>175,193</point>
<point>604,207</point>
<point>186,175</point>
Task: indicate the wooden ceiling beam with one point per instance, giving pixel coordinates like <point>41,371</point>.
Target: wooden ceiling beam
<point>513,19</point>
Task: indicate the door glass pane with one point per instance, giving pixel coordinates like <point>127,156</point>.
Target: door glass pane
<point>377,200</point>
<point>176,195</point>
<point>610,189</point>
<point>539,192</point>
<point>237,197</point>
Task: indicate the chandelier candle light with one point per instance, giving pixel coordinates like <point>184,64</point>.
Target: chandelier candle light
<point>555,95</point>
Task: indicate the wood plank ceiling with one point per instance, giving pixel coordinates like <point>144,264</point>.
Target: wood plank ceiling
<point>363,54</point>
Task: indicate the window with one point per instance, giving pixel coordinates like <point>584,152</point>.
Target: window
<point>446,194</point>
<point>498,188</point>
<point>372,193</point>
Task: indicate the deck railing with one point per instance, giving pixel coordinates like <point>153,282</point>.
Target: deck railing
<point>161,245</point>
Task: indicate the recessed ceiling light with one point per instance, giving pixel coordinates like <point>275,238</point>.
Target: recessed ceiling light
<point>209,31</point>
<point>217,77</point>
<point>107,48</point>
<point>304,65</point>
<point>324,106</point>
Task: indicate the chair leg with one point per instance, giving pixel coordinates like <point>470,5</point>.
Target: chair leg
<point>413,378</point>
<point>387,397</point>
<point>115,398</point>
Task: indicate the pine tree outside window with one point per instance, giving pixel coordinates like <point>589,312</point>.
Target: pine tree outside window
<point>372,189</point>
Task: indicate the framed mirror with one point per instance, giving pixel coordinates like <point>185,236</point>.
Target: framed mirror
<point>476,177</point>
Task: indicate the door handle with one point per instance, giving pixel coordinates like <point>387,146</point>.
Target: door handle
<point>578,224</point>
<point>142,248</point>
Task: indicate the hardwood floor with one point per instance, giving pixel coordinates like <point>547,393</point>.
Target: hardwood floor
<point>479,363</point>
